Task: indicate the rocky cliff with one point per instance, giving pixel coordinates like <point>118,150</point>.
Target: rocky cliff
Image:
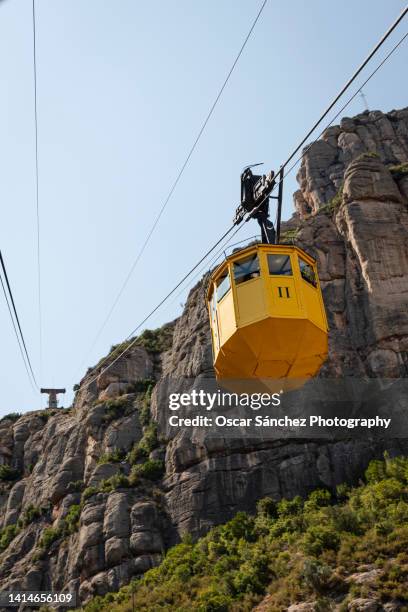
<point>93,495</point>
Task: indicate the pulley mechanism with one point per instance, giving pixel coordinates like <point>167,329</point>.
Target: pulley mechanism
<point>255,196</point>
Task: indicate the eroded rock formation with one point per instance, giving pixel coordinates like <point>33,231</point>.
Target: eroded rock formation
<point>52,540</point>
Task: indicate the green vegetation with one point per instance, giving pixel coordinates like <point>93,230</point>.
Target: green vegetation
<point>49,535</point>
<point>153,340</point>
<point>89,492</point>
<point>140,386</point>
<point>30,514</point>
<point>399,171</point>
<point>333,204</point>
<point>157,340</point>
<point>369,154</point>
<point>116,456</point>
<point>69,525</point>
<point>118,481</point>
<point>71,521</point>
<point>116,408</point>
<point>12,416</point>
<point>8,473</point>
<point>7,535</point>
<point>294,550</point>
<point>146,444</point>
<point>152,469</point>
<point>290,236</point>
<point>44,415</point>
<point>144,413</point>
<point>75,486</point>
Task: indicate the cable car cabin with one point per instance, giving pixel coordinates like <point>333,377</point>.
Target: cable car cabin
<point>267,314</point>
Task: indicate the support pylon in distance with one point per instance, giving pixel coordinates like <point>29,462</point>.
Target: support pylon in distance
<point>52,396</point>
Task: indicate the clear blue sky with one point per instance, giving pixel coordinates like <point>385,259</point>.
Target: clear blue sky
<point>123,88</point>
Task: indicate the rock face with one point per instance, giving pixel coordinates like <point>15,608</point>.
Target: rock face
<point>73,519</point>
<point>323,166</point>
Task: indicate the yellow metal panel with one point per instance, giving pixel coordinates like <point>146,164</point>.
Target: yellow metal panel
<point>283,296</point>
<point>250,301</point>
<point>226,317</point>
<point>313,310</point>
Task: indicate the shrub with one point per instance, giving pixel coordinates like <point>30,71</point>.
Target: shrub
<point>149,440</point>
<point>8,473</point>
<point>146,444</point>
<point>334,203</point>
<point>266,507</point>
<point>290,236</point>
<point>115,408</point>
<point>118,481</point>
<point>49,536</point>
<point>144,414</point>
<point>71,521</point>
<point>316,575</point>
<point>317,499</point>
<point>140,386</point>
<point>136,453</point>
<point>157,340</point>
<point>212,601</point>
<point>116,456</point>
<point>7,534</point>
<point>12,416</point>
<point>375,471</point>
<point>153,469</point>
<point>30,514</point>
<point>75,486</point>
<point>320,538</point>
<point>88,492</point>
<point>342,491</point>
<point>399,171</point>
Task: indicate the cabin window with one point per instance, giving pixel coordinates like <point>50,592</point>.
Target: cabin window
<point>279,265</point>
<point>223,285</point>
<point>246,269</point>
<point>307,272</point>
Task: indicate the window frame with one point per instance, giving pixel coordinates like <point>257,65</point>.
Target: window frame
<point>252,256</point>
<point>217,286</point>
<point>268,255</point>
<point>311,266</point>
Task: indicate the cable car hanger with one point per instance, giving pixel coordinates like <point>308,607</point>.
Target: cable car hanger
<point>255,196</point>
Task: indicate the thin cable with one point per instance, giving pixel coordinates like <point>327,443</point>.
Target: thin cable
<point>16,334</point>
<point>349,82</point>
<point>156,308</point>
<point>37,191</point>
<point>3,268</point>
<point>241,225</point>
<point>334,118</point>
<point>175,183</point>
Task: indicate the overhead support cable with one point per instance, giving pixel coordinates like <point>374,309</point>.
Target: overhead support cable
<point>337,115</point>
<point>8,295</point>
<point>177,180</point>
<point>349,82</point>
<point>237,229</point>
<point>37,188</point>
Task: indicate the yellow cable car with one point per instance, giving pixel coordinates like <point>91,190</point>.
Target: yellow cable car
<point>266,311</point>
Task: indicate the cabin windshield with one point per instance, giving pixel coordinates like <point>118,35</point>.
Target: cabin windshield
<point>307,272</point>
<point>246,269</point>
<point>223,285</point>
<point>279,265</point>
